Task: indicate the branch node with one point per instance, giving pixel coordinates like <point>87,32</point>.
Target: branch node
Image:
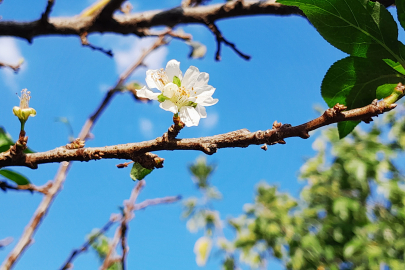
<point>264,147</point>
<point>209,148</point>
<point>276,125</point>
<point>76,144</point>
<point>174,129</point>
<point>304,134</point>
<point>149,160</point>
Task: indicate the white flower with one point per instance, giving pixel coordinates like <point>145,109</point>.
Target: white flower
<point>186,95</point>
<point>202,249</point>
<point>24,111</point>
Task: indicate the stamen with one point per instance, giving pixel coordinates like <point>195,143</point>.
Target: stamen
<point>24,99</point>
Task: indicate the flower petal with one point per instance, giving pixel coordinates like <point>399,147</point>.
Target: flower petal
<point>168,105</point>
<point>201,111</point>
<point>189,116</point>
<point>202,89</point>
<point>209,101</point>
<point>173,69</point>
<point>144,92</point>
<point>202,79</point>
<point>150,81</point>
<point>190,77</point>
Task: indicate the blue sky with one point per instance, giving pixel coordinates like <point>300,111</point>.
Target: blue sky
<point>281,82</point>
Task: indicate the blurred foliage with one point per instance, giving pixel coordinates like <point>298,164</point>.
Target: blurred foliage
<point>350,214</point>
<point>100,243</point>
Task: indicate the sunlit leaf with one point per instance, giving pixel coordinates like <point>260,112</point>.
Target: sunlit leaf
<point>358,27</point>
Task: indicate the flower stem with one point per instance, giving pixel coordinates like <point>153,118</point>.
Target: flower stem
<point>22,125</point>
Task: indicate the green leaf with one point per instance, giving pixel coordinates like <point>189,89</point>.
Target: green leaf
<point>162,98</point>
<point>138,172</point>
<point>6,141</point>
<point>358,27</point>
<point>395,65</point>
<point>15,177</point>
<point>356,82</point>
<point>176,81</point>
<point>401,12</point>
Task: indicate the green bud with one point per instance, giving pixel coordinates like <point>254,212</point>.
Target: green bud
<point>177,81</point>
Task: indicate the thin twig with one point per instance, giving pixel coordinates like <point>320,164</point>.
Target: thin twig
<point>221,39</point>
<point>6,241</point>
<point>15,68</point>
<point>48,9</point>
<point>128,215</point>
<point>151,202</point>
<point>85,42</point>
<point>60,176</point>
<point>30,187</point>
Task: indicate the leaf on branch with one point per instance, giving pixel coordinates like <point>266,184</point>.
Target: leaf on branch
<point>17,178</point>
<point>6,141</point>
<point>357,27</point>
<point>138,172</point>
<point>356,82</point>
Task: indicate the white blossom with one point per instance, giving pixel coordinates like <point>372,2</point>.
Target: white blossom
<point>184,95</point>
<point>202,249</point>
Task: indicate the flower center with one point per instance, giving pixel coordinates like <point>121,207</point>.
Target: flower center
<point>181,98</point>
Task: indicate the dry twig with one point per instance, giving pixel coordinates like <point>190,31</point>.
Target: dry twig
<point>31,188</point>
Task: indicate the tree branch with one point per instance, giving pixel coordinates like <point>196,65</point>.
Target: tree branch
<point>208,145</point>
<point>140,23</point>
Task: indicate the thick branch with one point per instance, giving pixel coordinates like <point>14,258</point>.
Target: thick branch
<point>137,23</point>
<point>208,145</point>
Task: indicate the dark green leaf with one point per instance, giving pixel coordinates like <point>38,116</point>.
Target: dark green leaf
<point>357,27</point>
<point>356,82</point>
<point>6,141</point>
<point>346,127</point>
<point>138,172</point>
<point>401,12</point>
<point>15,177</point>
<point>176,81</point>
